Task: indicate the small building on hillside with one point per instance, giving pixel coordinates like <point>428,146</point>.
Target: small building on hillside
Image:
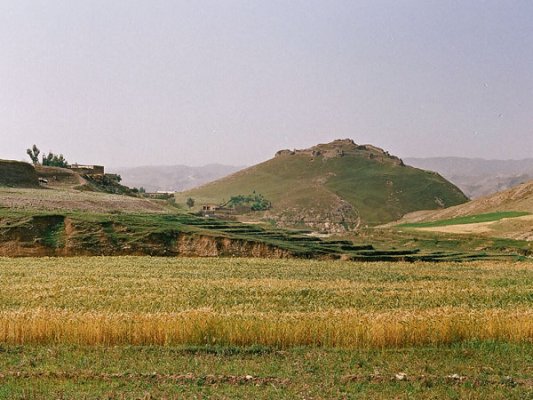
<point>88,169</point>
<point>210,207</point>
<point>217,211</point>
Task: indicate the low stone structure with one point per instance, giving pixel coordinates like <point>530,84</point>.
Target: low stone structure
<point>341,148</point>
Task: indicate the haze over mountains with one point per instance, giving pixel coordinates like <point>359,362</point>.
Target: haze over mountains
<point>173,177</point>
<point>477,177</point>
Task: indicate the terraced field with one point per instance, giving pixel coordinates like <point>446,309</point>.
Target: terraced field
<point>70,233</point>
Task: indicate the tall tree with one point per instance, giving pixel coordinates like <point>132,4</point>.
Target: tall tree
<point>34,154</point>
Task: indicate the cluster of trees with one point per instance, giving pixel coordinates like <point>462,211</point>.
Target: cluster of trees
<point>50,159</point>
<point>255,201</point>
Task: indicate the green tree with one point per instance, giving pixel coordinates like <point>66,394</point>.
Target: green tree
<point>34,154</point>
<point>190,202</point>
<point>54,160</point>
<point>255,201</point>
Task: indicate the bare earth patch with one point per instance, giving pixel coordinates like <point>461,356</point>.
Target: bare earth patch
<point>512,228</point>
<point>74,200</point>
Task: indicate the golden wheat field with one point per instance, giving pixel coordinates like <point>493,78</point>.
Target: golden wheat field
<point>166,301</point>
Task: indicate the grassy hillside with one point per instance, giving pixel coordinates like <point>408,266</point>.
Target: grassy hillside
<point>478,177</point>
<point>339,183</point>
<point>518,198</point>
<point>509,215</point>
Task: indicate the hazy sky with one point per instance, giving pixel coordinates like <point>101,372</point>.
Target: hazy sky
<point>194,82</point>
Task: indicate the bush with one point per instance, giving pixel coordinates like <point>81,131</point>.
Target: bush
<point>54,160</point>
<point>255,201</point>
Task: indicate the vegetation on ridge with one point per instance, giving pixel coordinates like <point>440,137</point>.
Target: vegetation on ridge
<point>255,201</point>
<point>49,160</point>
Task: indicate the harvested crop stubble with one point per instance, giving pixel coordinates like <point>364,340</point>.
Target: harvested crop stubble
<point>283,303</point>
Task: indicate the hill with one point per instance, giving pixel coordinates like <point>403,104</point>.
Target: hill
<point>173,177</point>
<point>478,177</point>
<point>507,214</point>
<point>18,174</point>
<point>72,214</point>
<point>333,187</point>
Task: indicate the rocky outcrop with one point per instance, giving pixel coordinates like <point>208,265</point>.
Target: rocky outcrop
<point>285,152</point>
<point>343,147</point>
<point>210,246</point>
<point>340,218</point>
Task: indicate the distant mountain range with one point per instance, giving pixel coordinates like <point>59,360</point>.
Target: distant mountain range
<point>173,177</point>
<point>478,177</point>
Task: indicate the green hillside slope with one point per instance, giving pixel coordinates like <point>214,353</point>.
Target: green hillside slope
<point>334,187</point>
<point>507,214</point>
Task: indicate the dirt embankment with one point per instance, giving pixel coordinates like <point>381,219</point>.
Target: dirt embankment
<point>56,235</point>
<point>59,177</point>
<point>340,217</point>
<point>208,246</point>
<point>18,174</point>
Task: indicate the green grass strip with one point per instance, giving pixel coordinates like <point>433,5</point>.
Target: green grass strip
<point>471,219</point>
